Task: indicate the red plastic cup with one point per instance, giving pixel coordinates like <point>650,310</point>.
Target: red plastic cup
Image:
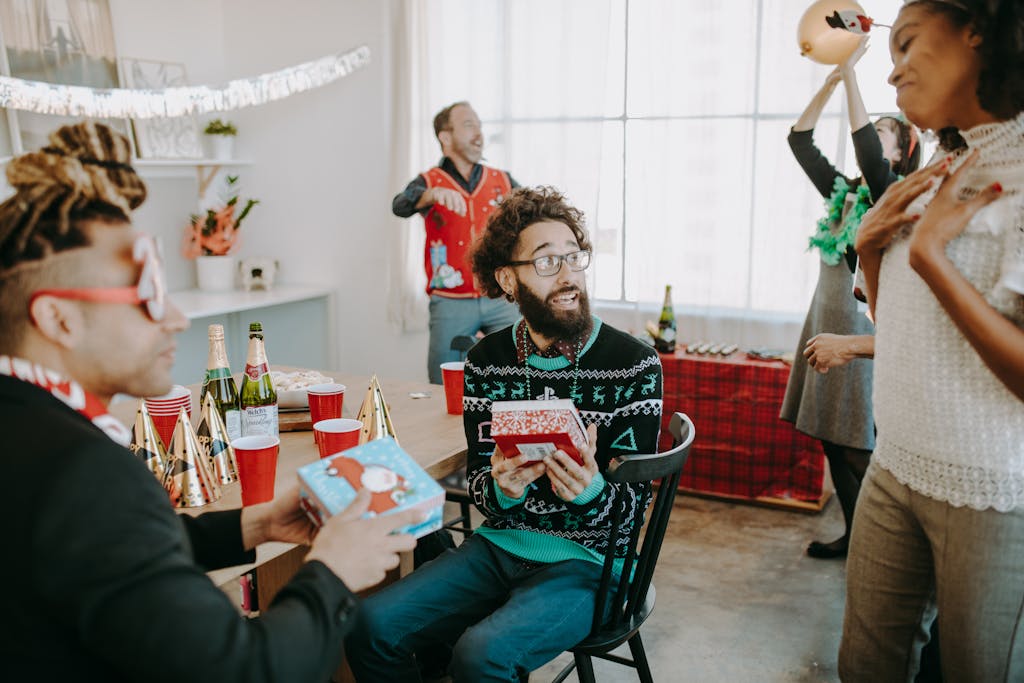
<point>164,410</point>
<point>325,401</point>
<point>164,425</point>
<point>453,374</point>
<point>177,396</point>
<point>336,435</point>
<point>257,467</point>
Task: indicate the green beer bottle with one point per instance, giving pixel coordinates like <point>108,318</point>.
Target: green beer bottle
<point>666,339</point>
<point>258,399</point>
<point>220,385</point>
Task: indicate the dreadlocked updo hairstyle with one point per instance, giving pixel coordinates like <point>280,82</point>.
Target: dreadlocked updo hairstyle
<point>82,175</point>
<point>521,209</point>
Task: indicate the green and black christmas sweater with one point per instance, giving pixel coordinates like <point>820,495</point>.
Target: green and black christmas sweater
<point>617,386</point>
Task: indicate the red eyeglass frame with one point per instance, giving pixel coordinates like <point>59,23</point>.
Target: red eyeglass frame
<point>149,292</point>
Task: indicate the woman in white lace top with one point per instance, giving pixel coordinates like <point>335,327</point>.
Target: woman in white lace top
<point>940,520</point>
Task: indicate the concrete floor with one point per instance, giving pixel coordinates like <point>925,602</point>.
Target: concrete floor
<point>738,600</point>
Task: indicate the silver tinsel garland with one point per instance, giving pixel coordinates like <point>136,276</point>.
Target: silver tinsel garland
<point>71,100</point>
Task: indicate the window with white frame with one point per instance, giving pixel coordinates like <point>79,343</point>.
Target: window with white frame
<point>666,122</point>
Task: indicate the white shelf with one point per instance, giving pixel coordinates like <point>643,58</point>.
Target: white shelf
<point>169,163</point>
<point>198,304</point>
<point>174,163</point>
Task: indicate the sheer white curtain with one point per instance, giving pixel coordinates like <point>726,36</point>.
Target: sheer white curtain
<point>666,122</point>
<point>93,26</point>
<point>19,20</point>
<point>25,24</point>
<point>715,203</point>
<point>407,300</point>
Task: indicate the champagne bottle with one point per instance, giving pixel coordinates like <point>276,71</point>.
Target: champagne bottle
<point>665,342</point>
<point>219,383</point>
<point>258,399</point>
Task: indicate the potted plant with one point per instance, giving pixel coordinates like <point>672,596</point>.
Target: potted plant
<point>211,237</point>
<point>221,135</point>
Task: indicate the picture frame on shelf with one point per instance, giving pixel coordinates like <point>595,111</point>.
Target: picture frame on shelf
<point>57,41</point>
<point>161,138</point>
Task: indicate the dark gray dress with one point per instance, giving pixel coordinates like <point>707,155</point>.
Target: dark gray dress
<point>836,406</point>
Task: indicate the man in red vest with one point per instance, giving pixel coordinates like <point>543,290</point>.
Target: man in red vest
<point>456,198</point>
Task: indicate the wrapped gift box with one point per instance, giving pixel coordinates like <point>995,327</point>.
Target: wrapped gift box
<point>395,480</point>
<point>537,429</point>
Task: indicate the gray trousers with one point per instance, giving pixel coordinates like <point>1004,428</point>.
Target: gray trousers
<point>910,555</point>
<point>450,318</point>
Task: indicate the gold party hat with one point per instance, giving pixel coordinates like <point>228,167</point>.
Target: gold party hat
<point>146,443</point>
<point>374,415</point>
<point>213,438</point>
<point>188,480</point>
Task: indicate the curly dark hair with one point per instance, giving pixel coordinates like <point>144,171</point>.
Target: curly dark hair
<point>1000,24</point>
<point>521,209</point>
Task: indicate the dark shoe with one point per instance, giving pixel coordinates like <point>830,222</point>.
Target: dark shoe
<point>828,551</point>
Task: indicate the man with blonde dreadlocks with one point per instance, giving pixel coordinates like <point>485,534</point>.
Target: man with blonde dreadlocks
<point>105,582</point>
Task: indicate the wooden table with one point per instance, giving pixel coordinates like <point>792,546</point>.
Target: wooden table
<point>423,427</point>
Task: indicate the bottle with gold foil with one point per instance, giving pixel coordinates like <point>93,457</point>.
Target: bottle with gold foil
<point>258,399</point>
<point>220,385</point>
<point>665,342</point>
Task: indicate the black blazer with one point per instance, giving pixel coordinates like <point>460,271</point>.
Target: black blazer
<point>103,581</point>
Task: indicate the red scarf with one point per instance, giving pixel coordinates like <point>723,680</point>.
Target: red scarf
<point>69,392</point>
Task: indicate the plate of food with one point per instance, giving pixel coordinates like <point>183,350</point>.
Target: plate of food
<point>291,387</point>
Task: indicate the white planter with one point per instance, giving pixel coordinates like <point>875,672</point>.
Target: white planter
<point>221,147</point>
<point>215,273</point>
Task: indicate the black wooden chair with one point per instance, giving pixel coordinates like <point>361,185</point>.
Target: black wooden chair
<point>455,486</point>
<point>633,601</point>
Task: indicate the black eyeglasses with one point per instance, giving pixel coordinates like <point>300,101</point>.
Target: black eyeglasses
<point>547,266</point>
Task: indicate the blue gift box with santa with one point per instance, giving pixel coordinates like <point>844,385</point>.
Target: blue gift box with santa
<point>395,481</point>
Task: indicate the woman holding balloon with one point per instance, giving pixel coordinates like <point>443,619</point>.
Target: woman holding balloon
<point>836,407</point>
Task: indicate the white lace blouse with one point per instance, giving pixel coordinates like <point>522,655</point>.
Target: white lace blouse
<point>947,427</point>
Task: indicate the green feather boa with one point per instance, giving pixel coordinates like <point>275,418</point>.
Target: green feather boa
<point>833,243</point>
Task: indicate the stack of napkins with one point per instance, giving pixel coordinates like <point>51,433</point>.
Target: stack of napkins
<point>395,480</point>
<point>537,429</point>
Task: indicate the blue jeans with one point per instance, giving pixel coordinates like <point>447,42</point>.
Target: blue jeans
<point>504,616</point>
<point>450,318</point>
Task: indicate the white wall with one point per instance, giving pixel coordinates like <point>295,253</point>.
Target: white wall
<point>170,32</point>
<point>320,158</point>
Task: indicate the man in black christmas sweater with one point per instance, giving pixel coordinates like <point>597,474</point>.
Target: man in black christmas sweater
<point>521,590</point>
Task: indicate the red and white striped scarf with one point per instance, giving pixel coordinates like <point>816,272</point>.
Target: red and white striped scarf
<point>68,391</point>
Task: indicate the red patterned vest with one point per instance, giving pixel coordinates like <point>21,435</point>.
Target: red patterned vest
<point>450,236</point>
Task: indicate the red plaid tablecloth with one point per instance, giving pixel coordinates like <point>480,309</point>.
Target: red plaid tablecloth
<point>742,448</point>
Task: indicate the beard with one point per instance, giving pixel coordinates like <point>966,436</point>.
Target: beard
<point>468,151</point>
<point>549,322</point>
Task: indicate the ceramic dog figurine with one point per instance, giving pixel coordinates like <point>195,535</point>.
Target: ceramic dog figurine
<point>258,272</point>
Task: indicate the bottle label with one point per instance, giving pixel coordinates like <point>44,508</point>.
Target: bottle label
<point>668,334</point>
<point>259,420</point>
<point>217,373</point>
<point>256,371</point>
<point>233,423</point>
